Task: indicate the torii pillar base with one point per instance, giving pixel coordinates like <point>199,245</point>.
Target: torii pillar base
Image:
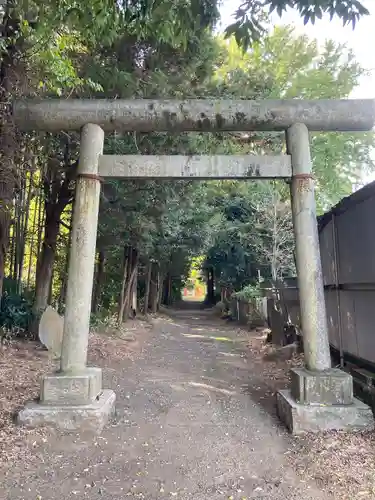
<point>90,417</point>
<point>322,401</point>
<point>71,402</point>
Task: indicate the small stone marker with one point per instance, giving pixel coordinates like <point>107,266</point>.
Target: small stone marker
<point>51,328</point>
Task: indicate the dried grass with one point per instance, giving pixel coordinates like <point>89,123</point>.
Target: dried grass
<point>116,343</point>
<point>22,365</point>
<point>343,463</point>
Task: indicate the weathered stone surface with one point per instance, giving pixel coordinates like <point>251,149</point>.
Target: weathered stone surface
<point>70,389</point>
<point>92,417</point>
<point>163,115</point>
<point>300,418</point>
<point>308,261</point>
<point>199,167</point>
<point>51,329</point>
<point>331,387</point>
<point>82,252</point>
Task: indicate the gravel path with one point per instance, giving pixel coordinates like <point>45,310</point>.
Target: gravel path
<point>185,428</point>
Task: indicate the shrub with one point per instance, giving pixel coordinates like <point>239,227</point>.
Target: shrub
<point>15,312</point>
<point>249,292</point>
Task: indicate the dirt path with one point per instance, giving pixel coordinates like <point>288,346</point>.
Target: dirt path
<point>185,428</point>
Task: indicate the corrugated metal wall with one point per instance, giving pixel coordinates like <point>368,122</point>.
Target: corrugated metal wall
<point>354,299</point>
<point>350,294</point>
<point>251,313</point>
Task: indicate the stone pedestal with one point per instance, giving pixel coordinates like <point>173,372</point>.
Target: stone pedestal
<point>322,401</point>
<point>74,402</point>
<point>330,387</point>
<point>90,417</point>
<point>71,402</point>
<point>71,389</point>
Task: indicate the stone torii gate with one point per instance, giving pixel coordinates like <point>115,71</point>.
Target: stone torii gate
<point>320,397</point>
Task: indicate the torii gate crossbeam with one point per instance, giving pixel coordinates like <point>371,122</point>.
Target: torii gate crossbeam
<point>194,115</point>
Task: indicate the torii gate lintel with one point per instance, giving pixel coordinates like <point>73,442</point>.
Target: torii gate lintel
<point>194,115</point>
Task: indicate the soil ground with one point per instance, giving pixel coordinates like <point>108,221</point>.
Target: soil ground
<point>195,420</point>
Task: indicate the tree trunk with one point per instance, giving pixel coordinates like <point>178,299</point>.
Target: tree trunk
<point>61,295</point>
<point>11,249</point>
<point>167,290</point>
<point>133,273</point>
<point>128,283</point>
<point>24,229</point>
<point>123,287</point>
<point>10,73</point>
<point>41,217</point>
<point>154,288</point>
<point>19,216</point>
<point>4,231</point>
<point>134,292</point>
<point>58,193</point>
<point>46,259</point>
<point>16,235</point>
<point>128,296</point>
<point>50,290</point>
<point>98,281</point>
<point>7,140</point>
<point>32,242</point>
<point>147,288</point>
<point>159,285</point>
<point>64,281</point>
<point>210,299</point>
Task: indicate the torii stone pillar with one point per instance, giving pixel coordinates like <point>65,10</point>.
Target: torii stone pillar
<point>309,268</point>
<point>321,398</point>
<point>73,398</point>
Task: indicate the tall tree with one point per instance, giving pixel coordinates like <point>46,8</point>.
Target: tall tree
<point>51,48</point>
<point>286,66</point>
<point>256,235</point>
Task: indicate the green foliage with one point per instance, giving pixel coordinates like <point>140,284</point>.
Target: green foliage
<point>15,310</point>
<point>15,314</point>
<point>286,66</point>
<point>248,27</point>
<point>254,230</point>
<point>100,319</point>
<point>249,292</point>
